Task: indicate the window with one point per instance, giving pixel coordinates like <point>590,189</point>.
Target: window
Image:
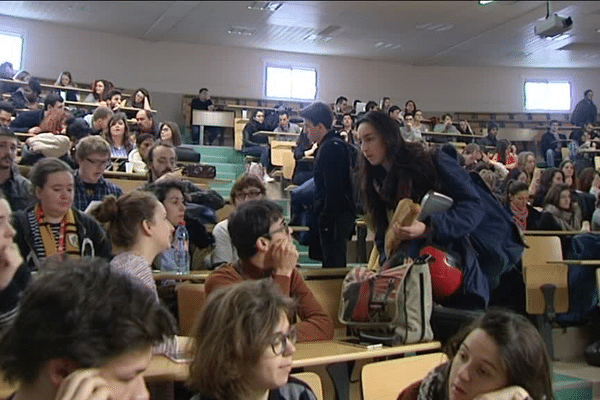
<point>547,96</point>
<point>11,48</point>
<point>291,83</point>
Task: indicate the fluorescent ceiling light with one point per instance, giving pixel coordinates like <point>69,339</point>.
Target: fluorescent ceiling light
<point>485,2</point>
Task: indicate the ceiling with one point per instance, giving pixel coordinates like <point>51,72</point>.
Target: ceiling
<point>441,33</point>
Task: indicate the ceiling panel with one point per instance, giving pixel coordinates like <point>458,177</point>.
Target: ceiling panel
<point>456,33</point>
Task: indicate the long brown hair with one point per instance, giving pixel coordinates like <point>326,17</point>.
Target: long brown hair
<point>522,350</point>
<point>411,175</point>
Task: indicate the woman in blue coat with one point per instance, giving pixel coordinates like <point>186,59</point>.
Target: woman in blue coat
<point>391,169</point>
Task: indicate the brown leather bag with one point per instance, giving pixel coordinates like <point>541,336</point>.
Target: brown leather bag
<point>199,171</point>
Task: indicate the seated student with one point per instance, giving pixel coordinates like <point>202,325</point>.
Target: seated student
<point>53,228</point>
<point>517,202</point>
<point>20,76</point>
<point>303,170</point>
<point>561,213</point>
<point>27,96</point>
<point>14,275</point>
<point>118,137</point>
<point>99,119</point>
<point>552,142</point>
<point>161,166</point>
<point>568,169</point>
<point>285,125</point>
<point>464,127</point>
<point>246,187</point>
<point>491,140</point>
<point>140,99</point>
<point>418,125</point>
<point>29,121</point>
<point>100,88</point>
<point>146,124</point>
<point>548,178</point>
<point>138,155</point>
<point>83,332</point>
<point>113,100</point>
<point>139,231</point>
<point>6,70</point>
<point>596,217</point>
<point>499,356</point>
<point>170,133</point>
<point>6,112</point>
<point>244,342</point>
<point>396,114</point>
<point>410,107</point>
<point>578,134</point>
<point>257,145</point>
<point>171,195</point>
<point>93,156</point>
<point>65,80</point>
<point>446,126</point>
<point>265,248</point>
<point>408,132</point>
<point>504,155</point>
<point>16,188</point>
<point>526,164</point>
<point>477,160</point>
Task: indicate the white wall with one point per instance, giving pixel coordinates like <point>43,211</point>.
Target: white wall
<point>176,68</point>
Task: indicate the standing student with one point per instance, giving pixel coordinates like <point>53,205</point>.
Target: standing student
<point>391,170</point>
<point>333,165</point>
<point>83,332</point>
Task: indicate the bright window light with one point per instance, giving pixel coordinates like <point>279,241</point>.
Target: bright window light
<point>547,96</point>
<point>291,83</point>
<point>11,48</point>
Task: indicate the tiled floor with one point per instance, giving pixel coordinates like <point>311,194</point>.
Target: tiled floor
<point>574,379</point>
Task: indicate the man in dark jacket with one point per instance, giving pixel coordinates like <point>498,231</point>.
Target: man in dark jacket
<point>334,207</point>
<point>552,142</point>
<point>29,121</point>
<point>585,111</point>
<point>16,188</point>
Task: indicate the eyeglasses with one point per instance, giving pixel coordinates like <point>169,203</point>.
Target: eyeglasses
<point>284,228</point>
<point>99,163</point>
<point>280,340</point>
<point>249,194</point>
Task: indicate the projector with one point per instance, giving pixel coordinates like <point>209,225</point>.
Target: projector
<point>552,26</point>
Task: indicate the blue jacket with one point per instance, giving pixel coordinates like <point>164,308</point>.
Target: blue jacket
<point>26,120</point>
<point>450,229</point>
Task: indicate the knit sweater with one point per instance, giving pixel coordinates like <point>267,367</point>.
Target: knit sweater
<point>315,324</point>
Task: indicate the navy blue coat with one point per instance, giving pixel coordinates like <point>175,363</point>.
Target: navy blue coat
<point>26,120</point>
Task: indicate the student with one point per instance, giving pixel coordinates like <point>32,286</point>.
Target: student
<point>146,123</point>
<point>140,99</point>
<point>391,169</point>
<point>517,202</point>
<point>14,275</point>
<point>100,88</point>
<point>246,187</point>
<point>244,342</point>
<point>93,157</point>
<point>303,170</point>
<point>118,136</point>
<point>139,155</point>
<point>83,332</point>
<point>409,108</point>
<point>499,356</point>
<point>138,227</point>
<point>265,248</point>
<point>169,133</point>
<point>17,189</point>
<point>568,169</point>
<point>256,145</point>
<point>53,228</point>
<point>561,213</point>
<point>65,80</point>
<point>29,121</point>
<point>334,203</point>
<point>548,177</point>
<point>446,126</point>
<point>504,155</point>
<point>384,104</point>
<point>28,96</point>
<point>98,120</point>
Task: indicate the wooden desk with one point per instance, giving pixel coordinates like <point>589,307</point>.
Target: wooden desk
<point>224,119</point>
<point>272,134</point>
<point>307,354</point>
<point>588,263</point>
<point>552,233</point>
<point>94,105</point>
<point>195,276</point>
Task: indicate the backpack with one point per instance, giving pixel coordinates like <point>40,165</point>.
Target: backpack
<point>392,306</point>
<point>497,239</point>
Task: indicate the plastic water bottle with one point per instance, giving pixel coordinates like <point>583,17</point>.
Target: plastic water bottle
<point>182,252</point>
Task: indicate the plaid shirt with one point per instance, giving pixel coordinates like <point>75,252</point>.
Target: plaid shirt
<point>103,188</point>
